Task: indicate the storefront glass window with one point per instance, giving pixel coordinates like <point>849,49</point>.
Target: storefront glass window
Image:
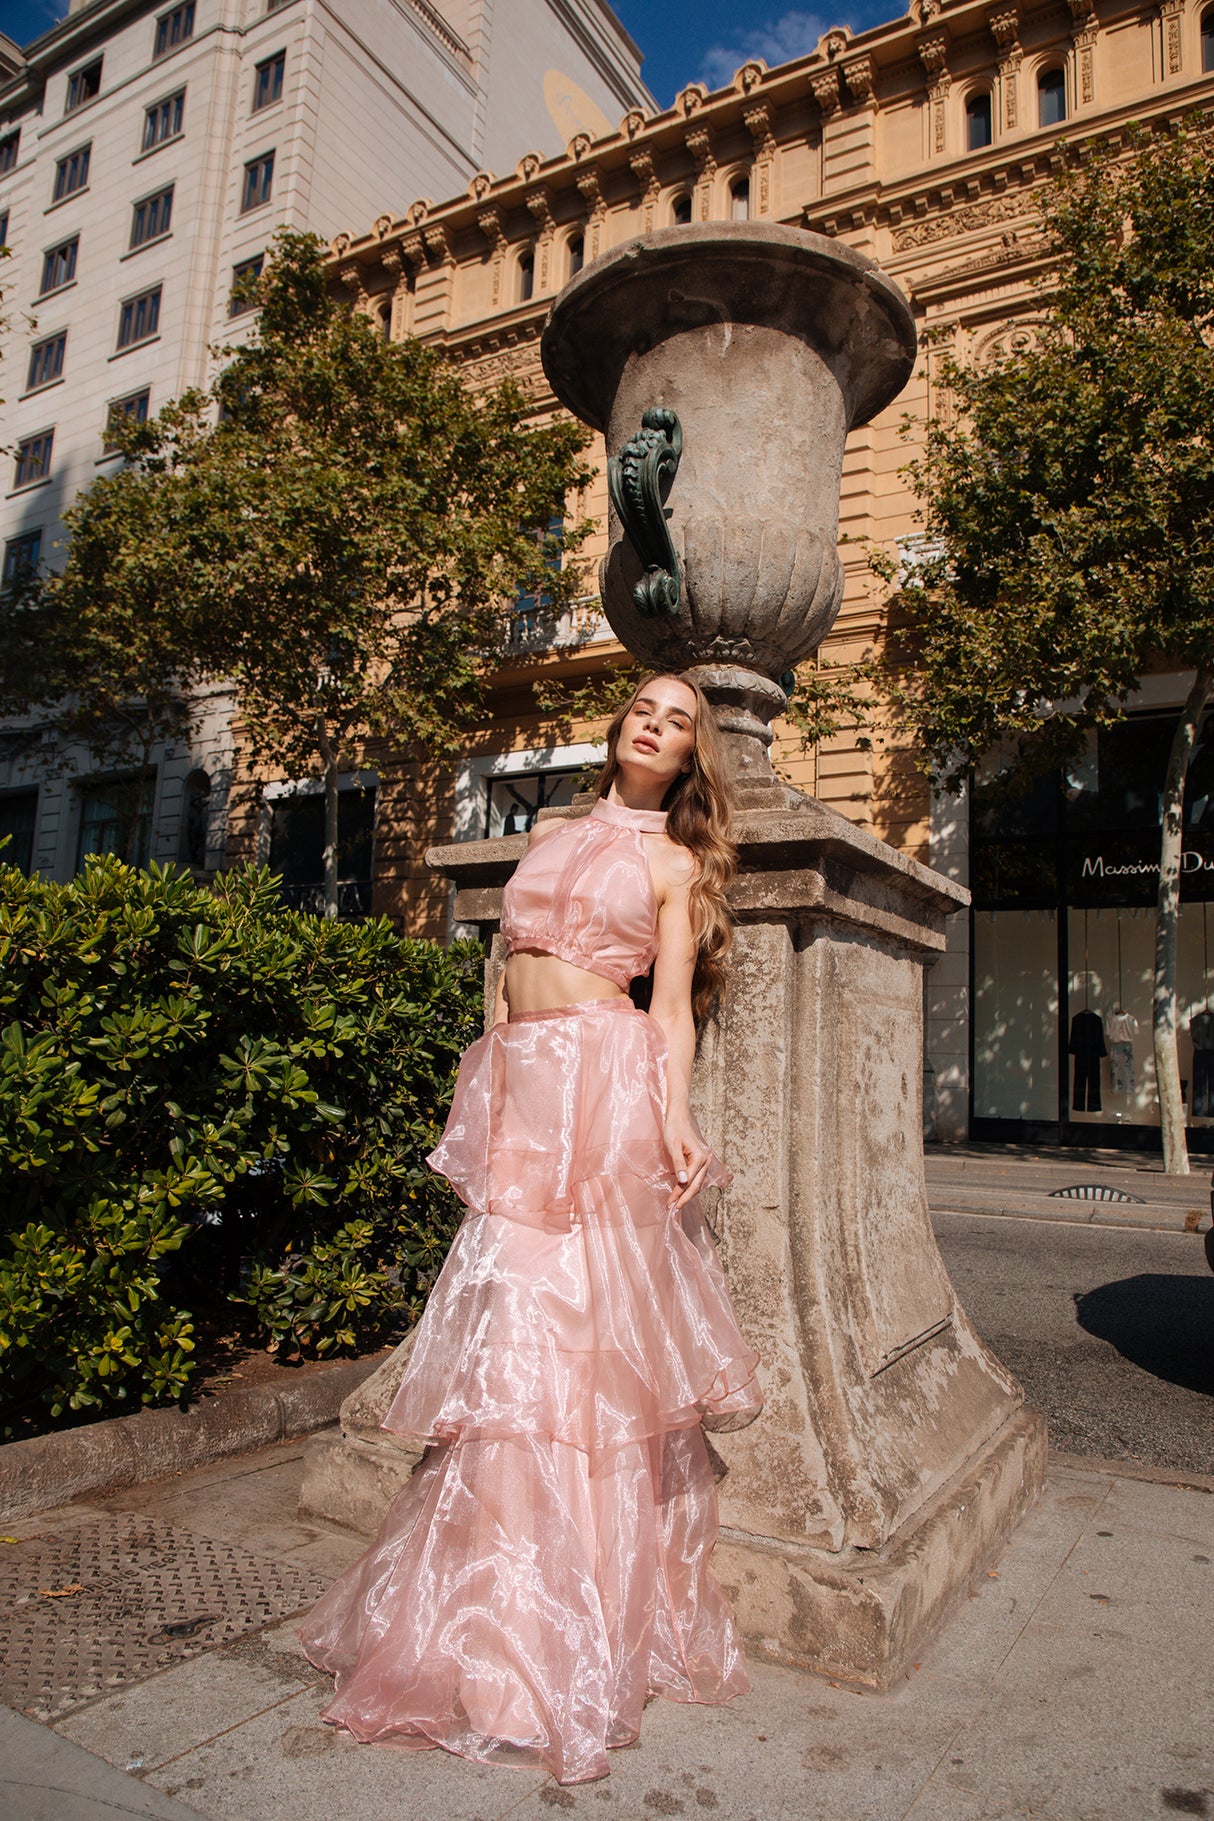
<point>1064,879</point>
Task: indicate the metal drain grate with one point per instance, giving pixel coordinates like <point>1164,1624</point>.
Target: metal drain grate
<point>1094,1191</point>
<point>110,1602</point>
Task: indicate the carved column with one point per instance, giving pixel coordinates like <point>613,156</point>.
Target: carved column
<point>490,224</point>
<point>541,212</point>
<point>699,143</point>
<point>436,281</point>
<point>650,188</point>
<point>1083,36</point>
<point>400,268</point>
<point>933,55</point>
<point>596,211</point>
<point>1005,29</point>
<point>758,125</point>
<point>1171,15</point>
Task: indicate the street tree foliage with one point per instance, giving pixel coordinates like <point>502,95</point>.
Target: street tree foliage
<point>338,528</point>
<point>1068,509</point>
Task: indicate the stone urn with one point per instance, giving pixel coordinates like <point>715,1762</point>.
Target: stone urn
<point>725,365</point>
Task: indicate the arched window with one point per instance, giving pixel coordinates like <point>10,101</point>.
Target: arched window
<point>383,317</point>
<point>195,813</point>
<point>680,210</point>
<point>577,254</point>
<point>1207,39</point>
<point>978,121</point>
<point>526,277</point>
<point>1051,98</point>
<point>739,199</point>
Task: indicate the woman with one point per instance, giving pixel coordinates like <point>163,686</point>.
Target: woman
<point>547,1566</point>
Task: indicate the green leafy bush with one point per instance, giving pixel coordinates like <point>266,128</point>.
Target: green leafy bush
<point>198,1087</point>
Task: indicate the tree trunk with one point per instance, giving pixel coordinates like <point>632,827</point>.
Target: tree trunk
<point>1167,918</point>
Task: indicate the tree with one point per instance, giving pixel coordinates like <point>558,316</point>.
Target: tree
<point>343,544</point>
<point>1069,507</point>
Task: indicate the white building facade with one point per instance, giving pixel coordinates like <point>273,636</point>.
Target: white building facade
<point>148,153</point>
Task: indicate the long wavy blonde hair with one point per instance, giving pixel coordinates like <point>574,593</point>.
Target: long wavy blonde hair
<point>699,812</point>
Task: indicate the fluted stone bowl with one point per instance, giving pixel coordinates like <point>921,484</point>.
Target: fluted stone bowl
<point>769,344</point>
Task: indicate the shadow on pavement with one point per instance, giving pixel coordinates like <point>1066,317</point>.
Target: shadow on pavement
<point>1163,1323</point>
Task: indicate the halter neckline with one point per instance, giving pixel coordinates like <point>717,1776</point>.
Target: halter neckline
<point>645,821</point>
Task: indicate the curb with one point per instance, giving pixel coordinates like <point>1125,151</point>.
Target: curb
<point>1153,1217</point>
<point>45,1471</point>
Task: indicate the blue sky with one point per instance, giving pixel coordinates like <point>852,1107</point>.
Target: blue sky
<point>704,41</point>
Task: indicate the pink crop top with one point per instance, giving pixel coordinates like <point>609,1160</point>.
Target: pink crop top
<point>585,894</point>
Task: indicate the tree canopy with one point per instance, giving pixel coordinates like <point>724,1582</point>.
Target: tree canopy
<point>1068,504</point>
<point>338,527</point>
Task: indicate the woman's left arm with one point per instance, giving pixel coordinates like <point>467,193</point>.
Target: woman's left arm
<point>670,1007</point>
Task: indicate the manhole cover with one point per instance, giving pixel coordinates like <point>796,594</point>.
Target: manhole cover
<point>110,1602</point>
<point>1094,1191</point>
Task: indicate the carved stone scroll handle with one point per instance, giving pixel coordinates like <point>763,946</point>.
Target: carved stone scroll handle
<point>639,480</point>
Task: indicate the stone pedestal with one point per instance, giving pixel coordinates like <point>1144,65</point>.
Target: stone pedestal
<point>894,1454</point>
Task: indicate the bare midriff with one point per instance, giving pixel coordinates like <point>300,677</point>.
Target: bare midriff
<point>536,982</point>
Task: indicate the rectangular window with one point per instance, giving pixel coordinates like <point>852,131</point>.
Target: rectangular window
<point>116,818</point>
<point>59,265</point>
<point>33,459</point>
<point>82,86</point>
<point>174,28</point>
<point>258,182</point>
<point>297,845</point>
<point>131,409</point>
<point>244,278</point>
<point>8,151</point>
<point>72,173</point>
<point>21,555</point>
<point>140,318</point>
<point>18,816</point>
<point>152,217</point>
<point>3,227</point>
<point>46,361</point>
<point>268,84</point>
<point>163,120</point>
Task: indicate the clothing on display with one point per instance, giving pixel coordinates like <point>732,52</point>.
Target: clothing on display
<point>1087,1046</point>
<point>1201,1030</point>
<point>547,1567</point>
<point>1122,1030</point>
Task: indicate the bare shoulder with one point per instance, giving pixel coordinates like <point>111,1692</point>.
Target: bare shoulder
<point>674,867</point>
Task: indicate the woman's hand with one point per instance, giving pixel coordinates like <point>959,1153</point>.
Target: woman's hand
<point>689,1157</point>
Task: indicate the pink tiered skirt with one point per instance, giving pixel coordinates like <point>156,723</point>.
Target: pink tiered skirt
<point>547,1566</point>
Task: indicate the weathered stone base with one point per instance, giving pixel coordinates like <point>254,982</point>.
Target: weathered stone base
<point>864,1616</point>
<point>352,1482</point>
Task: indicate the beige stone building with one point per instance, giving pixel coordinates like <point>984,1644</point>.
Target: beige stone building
<point>924,143</point>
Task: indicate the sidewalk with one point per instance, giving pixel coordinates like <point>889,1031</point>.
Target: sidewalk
<point>1019,1181</point>
<point>1072,1685</point>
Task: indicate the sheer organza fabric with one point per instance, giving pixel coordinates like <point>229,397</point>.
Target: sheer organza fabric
<point>547,1566</point>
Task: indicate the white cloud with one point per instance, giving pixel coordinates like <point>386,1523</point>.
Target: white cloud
<point>793,34</point>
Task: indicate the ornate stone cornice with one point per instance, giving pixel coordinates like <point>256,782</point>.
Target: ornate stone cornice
<point>758,125</point>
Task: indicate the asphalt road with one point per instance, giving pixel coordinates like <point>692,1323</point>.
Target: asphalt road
<point>1111,1332</point>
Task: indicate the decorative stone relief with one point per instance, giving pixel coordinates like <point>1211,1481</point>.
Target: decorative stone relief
<point>758,125</point>
<point>960,221</point>
<point>438,246</point>
<point>825,86</point>
<point>691,99</point>
<point>596,210</point>
<point>382,224</point>
<point>832,44</point>
<point>1083,35</point>
<point>858,75</point>
<point>578,147</point>
<point>1172,13</point>
<point>480,186</point>
<point>699,144</point>
<point>490,225</point>
<point>528,165</point>
<point>417,211</point>
<point>339,243</point>
<point>933,55</point>
<point>1005,29</point>
<point>998,344</point>
<point>749,76</point>
<point>647,183</point>
<point>540,207</point>
<point>632,123</point>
